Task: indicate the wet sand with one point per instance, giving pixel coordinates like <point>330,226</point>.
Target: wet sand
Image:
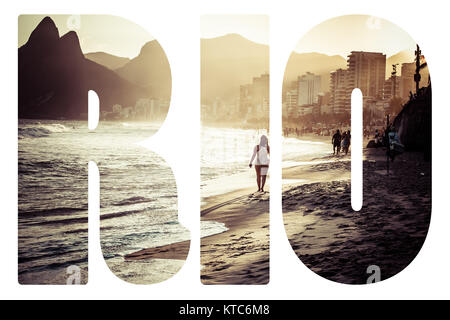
<point>176,251</point>
<point>241,254</point>
<point>340,244</point>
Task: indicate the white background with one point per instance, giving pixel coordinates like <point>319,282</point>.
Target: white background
<point>176,25</point>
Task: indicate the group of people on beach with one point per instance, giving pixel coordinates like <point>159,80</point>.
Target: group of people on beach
<point>389,139</point>
<point>341,141</point>
<point>298,132</point>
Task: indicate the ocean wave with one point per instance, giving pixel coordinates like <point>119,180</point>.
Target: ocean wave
<point>78,220</point>
<point>133,200</point>
<point>51,212</point>
<point>107,216</point>
<point>41,130</point>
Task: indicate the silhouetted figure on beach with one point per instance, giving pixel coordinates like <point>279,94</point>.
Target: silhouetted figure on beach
<point>261,152</point>
<point>349,139</point>
<point>345,141</point>
<point>385,137</point>
<point>394,146</point>
<point>336,142</point>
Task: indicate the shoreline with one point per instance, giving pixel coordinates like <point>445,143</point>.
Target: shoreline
<point>239,255</point>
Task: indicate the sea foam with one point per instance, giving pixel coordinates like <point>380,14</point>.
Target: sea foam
<point>41,130</point>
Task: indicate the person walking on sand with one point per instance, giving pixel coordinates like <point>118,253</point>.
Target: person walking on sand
<point>345,142</point>
<point>336,142</point>
<point>261,152</point>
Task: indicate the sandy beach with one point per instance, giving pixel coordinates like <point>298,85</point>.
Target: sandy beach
<point>339,244</point>
<point>326,234</point>
<point>235,248</point>
<point>239,255</point>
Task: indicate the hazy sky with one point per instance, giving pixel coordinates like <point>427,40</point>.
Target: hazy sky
<point>252,27</point>
<point>355,32</point>
<point>110,34</point>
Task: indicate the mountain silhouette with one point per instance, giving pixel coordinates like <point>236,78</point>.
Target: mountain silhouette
<point>107,60</point>
<point>317,63</point>
<point>150,69</point>
<point>55,77</point>
<point>228,62</point>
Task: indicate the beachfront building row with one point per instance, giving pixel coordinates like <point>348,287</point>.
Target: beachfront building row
<point>367,71</point>
<point>220,110</point>
<point>303,96</point>
<point>292,110</point>
<point>254,98</point>
<point>308,87</point>
<point>144,110</point>
<point>251,104</point>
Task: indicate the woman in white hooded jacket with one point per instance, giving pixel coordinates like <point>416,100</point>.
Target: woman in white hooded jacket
<point>261,152</point>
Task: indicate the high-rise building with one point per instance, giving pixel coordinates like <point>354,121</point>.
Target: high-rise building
<point>254,97</point>
<point>292,103</point>
<point>324,98</point>
<point>340,99</point>
<point>308,87</point>
<point>407,83</point>
<point>367,71</point>
<point>389,85</point>
<point>244,99</point>
<point>324,103</point>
